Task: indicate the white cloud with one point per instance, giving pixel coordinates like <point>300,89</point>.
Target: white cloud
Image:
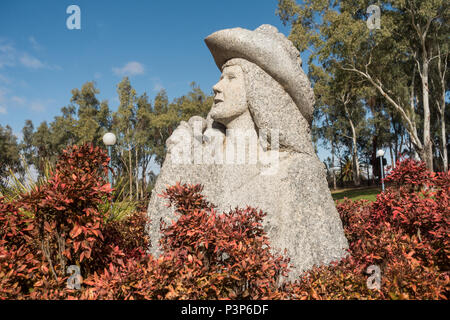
<point>41,105</point>
<point>158,87</point>
<point>37,106</point>
<point>130,69</point>
<point>18,100</point>
<point>7,55</point>
<point>3,110</point>
<point>4,79</point>
<point>3,92</point>
<point>31,62</point>
<point>36,46</point>
<point>55,67</point>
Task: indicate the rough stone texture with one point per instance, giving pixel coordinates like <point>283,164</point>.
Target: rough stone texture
<point>301,216</point>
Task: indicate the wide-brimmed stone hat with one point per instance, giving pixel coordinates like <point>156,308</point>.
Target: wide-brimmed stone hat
<point>272,52</point>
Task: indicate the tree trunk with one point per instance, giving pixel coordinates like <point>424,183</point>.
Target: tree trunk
<point>355,159</point>
<point>143,177</point>
<point>444,144</point>
<point>130,172</point>
<point>356,179</point>
<point>396,151</point>
<point>368,173</point>
<point>427,145</point>
<point>392,155</point>
<point>400,148</point>
<point>441,109</point>
<point>125,165</point>
<point>332,163</point>
<point>407,116</point>
<point>137,174</point>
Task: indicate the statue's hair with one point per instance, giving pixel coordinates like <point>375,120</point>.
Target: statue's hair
<point>271,107</point>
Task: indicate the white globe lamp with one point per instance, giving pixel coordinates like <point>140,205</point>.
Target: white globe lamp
<point>380,153</point>
<point>109,139</point>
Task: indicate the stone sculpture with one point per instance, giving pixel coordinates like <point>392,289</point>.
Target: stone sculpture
<point>254,148</point>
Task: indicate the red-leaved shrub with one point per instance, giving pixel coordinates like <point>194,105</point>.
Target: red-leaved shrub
<point>18,262</point>
<point>205,256</point>
<point>405,232</point>
<point>66,208</point>
<point>211,255</point>
<point>59,224</point>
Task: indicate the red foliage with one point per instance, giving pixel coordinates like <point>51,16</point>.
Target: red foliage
<point>210,255</point>
<point>60,225</point>
<point>405,232</point>
<point>129,234</point>
<point>17,261</point>
<point>409,172</point>
<point>229,251</point>
<point>66,208</point>
<point>205,256</point>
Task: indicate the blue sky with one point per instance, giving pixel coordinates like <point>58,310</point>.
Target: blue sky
<point>158,44</point>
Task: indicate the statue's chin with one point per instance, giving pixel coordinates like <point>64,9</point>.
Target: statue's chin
<point>225,113</point>
<point>217,115</point>
<point>222,120</point>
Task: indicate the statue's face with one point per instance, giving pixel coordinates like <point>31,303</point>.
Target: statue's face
<point>230,100</point>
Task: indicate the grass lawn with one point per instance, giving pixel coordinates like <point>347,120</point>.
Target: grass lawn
<point>368,193</point>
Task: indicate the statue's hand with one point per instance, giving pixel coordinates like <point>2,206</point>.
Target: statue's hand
<point>180,135</point>
<point>186,131</point>
<point>198,124</point>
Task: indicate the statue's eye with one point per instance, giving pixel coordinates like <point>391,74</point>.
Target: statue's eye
<point>231,77</point>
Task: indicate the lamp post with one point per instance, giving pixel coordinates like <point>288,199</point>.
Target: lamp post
<point>380,154</point>
<point>109,139</point>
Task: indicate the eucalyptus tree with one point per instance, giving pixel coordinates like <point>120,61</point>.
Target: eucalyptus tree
<point>162,122</point>
<point>65,128</point>
<point>92,115</point>
<point>341,105</point>
<point>9,154</point>
<point>440,88</point>
<point>45,152</point>
<point>124,121</point>
<point>389,58</point>
<point>144,142</point>
<point>26,146</point>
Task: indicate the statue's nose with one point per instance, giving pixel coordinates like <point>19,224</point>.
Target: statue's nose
<point>216,88</point>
